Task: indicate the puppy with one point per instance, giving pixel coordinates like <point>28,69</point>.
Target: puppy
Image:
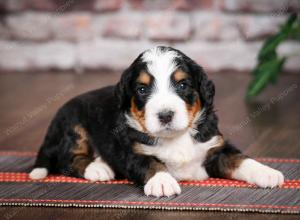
<point>155,127</point>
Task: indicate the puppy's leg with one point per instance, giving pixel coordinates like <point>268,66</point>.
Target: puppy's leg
<point>72,156</point>
<point>151,173</point>
<point>54,144</point>
<point>98,170</point>
<point>159,182</point>
<point>162,184</point>
<point>44,161</point>
<point>228,162</point>
<point>254,172</point>
<point>83,163</point>
<point>42,165</point>
<point>87,167</point>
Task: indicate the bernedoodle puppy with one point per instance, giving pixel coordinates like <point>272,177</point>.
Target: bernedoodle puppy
<point>155,127</point>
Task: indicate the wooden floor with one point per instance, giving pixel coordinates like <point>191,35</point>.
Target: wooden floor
<point>268,127</point>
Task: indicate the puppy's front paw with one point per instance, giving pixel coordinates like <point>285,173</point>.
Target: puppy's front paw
<point>259,174</point>
<point>98,171</point>
<point>162,184</point>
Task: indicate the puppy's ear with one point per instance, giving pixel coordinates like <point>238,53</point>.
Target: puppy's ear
<point>206,88</point>
<point>122,89</point>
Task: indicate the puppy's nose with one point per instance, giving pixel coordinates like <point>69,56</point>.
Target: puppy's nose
<point>165,116</point>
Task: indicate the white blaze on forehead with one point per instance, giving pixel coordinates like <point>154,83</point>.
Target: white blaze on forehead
<point>161,64</point>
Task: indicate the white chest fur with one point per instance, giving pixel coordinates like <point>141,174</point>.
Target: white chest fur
<point>183,156</point>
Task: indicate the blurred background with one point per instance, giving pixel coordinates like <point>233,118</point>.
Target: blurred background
<point>52,50</point>
<point>42,35</point>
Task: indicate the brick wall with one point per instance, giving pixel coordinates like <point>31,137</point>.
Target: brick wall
<point>96,34</point>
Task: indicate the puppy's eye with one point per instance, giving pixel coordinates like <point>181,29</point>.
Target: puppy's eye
<point>142,90</point>
<point>182,85</point>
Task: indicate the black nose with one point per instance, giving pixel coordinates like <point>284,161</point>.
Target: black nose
<point>165,116</point>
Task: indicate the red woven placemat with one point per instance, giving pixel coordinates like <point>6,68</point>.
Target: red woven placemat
<point>212,194</point>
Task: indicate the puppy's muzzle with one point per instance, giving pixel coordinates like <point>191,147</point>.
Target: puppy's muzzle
<point>165,117</point>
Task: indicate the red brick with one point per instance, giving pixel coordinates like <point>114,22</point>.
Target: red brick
<point>146,5</point>
<point>215,27</point>
<point>41,5</point>
<point>168,26</point>
<point>259,26</point>
<point>72,26</point>
<point>68,5</point>
<point>20,5</point>
<point>109,54</point>
<point>170,4</point>
<point>16,56</point>
<point>29,26</point>
<point>107,5</point>
<point>119,54</point>
<point>122,26</point>
<point>274,6</point>
<point>218,56</point>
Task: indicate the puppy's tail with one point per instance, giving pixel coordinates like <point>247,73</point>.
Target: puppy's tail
<point>41,166</point>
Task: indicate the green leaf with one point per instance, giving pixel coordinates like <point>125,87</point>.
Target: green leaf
<point>270,45</point>
<point>259,69</point>
<point>295,32</point>
<point>269,65</point>
<point>274,77</point>
<point>268,72</point>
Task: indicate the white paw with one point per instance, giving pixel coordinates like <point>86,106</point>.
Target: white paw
<point>162,184</point>
<point>259,174</point>
<point>38,173</point>
<point>267,177</point>
<point>98,171</point>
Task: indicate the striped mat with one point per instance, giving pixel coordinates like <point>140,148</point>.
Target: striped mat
<point>16,189</point>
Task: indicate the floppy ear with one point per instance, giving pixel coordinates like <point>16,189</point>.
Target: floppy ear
<point>122,89</point>
<point>207,127</point>
<point>206,88</point>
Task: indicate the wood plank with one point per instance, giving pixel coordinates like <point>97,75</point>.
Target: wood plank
<point>271,133</point>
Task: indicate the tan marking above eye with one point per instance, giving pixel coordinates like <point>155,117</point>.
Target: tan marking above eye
<point>179,75</point>
<point>144,78</point>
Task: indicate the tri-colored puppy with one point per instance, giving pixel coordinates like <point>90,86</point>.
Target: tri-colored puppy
<point>155,127</point>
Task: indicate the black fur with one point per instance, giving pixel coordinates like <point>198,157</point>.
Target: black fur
<point>97,111</point>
